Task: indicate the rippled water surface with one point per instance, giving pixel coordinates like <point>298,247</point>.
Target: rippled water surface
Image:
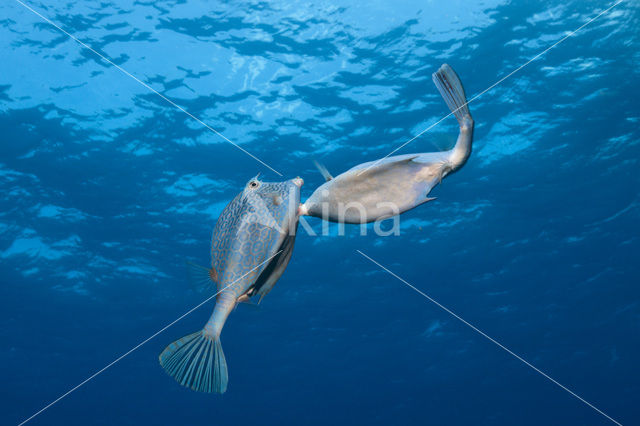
<point>107,189</point>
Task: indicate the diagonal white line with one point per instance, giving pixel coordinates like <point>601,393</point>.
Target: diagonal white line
<point>127,73</point>
<point>483,334</point>
<point>97,373</point>
<point>494,84</point>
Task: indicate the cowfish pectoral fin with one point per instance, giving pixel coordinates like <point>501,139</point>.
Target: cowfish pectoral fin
<point>197,362</point>
<point>202,278</point>
<point>323,171</point>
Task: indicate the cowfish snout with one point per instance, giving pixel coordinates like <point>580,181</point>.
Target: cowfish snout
<point>298,181</point>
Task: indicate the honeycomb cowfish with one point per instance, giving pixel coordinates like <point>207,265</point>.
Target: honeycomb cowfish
<point>251,245</point>
<point>387,187</point>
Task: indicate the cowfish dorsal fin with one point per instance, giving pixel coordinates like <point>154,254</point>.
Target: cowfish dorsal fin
<point>323,171</point>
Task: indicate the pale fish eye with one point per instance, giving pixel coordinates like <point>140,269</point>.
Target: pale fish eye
<point>254,184</point>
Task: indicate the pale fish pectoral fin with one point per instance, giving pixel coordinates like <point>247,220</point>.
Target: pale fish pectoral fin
<point>197,362</point>
<point>323,171</point>
<point>201,277</point>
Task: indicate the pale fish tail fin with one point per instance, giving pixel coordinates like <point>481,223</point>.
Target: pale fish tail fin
<point>451,90</point>
<point>197,362</point>
<point>450,87</point>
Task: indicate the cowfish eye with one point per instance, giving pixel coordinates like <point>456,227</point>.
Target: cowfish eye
<point>254,184</point>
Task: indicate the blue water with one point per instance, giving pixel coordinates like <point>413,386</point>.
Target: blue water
<point>107,190</point>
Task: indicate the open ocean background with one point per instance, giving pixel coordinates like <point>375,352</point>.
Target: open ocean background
<point>106,190</point>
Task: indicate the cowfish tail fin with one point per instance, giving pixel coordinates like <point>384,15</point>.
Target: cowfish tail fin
<point>197,362</point>
<point>451,90</point>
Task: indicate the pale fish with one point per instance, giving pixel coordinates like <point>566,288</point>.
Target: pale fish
<point>384,188</point>
<point>251,245</point>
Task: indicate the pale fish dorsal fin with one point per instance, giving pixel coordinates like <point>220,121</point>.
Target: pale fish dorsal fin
<point>323,171</point>
<point>384,165</point>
